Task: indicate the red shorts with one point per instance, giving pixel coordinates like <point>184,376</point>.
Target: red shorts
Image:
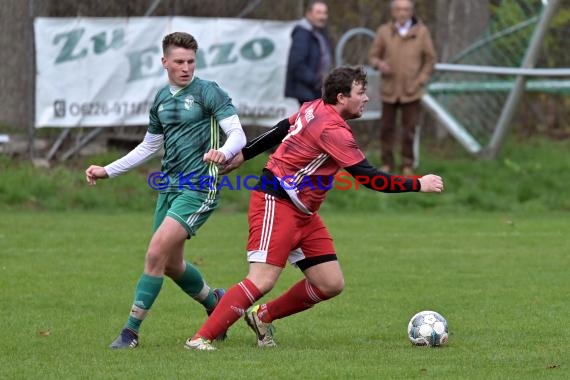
<point>279,231</point>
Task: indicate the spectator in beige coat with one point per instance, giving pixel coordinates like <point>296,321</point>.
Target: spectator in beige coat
<point>403,52</point>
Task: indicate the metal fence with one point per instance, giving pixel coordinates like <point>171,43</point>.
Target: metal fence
<point>477,96</point>
<point>455,25</point>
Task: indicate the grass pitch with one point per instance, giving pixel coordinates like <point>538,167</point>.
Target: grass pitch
<point>502,281</point>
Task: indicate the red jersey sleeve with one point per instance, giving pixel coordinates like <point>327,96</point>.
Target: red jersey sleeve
<point>340,145</point>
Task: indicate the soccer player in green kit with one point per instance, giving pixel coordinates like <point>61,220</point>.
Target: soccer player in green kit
<point>186,117</point>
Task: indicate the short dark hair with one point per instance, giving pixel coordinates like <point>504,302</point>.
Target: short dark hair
<point>179,39</point>
<point>312,3</point>
<point>340,81</point>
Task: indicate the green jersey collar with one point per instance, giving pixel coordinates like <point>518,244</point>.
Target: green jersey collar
<point>176,89</point>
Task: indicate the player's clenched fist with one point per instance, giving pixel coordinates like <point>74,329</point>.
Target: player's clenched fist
<point>232,164</point>
<point>214,156</point>
<point>94,172</point>
<point>431,183</point>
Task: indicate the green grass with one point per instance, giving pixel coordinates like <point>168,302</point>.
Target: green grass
<point>500,279</point>
<point>530,177</point>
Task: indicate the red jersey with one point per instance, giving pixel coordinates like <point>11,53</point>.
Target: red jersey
<point>318,145</point>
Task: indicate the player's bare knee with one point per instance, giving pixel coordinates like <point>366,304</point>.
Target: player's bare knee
<point>264,285</point>
<point>174,271</point>
<point>332,287</point>
<point>264,276</point>
<point>154,260</point>
<point>169,272</point>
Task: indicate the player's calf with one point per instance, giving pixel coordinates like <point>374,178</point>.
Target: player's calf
<point>331,288</point>
<point>326,276</point>
<point>264,276</point>
<point>219,293</point>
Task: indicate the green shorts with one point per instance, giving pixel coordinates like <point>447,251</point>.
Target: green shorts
<point>190,208</point>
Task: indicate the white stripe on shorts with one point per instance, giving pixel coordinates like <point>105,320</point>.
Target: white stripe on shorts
<point>268,218</point>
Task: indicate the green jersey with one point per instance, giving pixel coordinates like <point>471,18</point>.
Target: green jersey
<point>188,119</point>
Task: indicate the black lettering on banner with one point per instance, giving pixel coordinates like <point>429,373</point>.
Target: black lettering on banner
<point>59,108</point>
<point>74,109</point>
<point>119,109</point>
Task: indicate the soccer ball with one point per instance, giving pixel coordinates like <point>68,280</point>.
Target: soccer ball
<point>428,328</point>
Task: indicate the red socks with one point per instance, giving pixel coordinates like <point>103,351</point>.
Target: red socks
<point>299,297</point>
<point>240,297</point>
<point>231,307</point>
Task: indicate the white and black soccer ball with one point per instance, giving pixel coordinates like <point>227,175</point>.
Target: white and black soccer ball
<point>428,328</point>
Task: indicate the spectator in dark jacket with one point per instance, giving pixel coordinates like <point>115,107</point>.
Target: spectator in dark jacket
<point>310,55</point>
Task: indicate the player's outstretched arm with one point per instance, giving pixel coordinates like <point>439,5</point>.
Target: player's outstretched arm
<point>145,150</point>
<point>374,179</point>
<point>267,140</point>
<point>258,145</point>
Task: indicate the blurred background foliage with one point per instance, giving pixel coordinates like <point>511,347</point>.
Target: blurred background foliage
<point>531,175</point>
<point>454,24</point>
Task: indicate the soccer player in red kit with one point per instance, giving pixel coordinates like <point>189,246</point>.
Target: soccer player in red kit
<point>284,224</point>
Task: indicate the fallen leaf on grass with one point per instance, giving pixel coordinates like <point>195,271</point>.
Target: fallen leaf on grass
<point>199,261</point>
<point>44,333</point>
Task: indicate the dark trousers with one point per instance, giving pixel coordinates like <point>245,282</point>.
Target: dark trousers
<point>410,113</point>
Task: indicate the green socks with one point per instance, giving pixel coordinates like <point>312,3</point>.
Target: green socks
<point>146,292</point>
<point>148,288</point>
<point>193,284</point>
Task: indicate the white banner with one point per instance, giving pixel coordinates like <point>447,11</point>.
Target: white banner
<point>99,72</point>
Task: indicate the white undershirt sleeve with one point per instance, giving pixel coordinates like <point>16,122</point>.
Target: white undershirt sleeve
<point>144,151</point>
<point>235,136</point>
